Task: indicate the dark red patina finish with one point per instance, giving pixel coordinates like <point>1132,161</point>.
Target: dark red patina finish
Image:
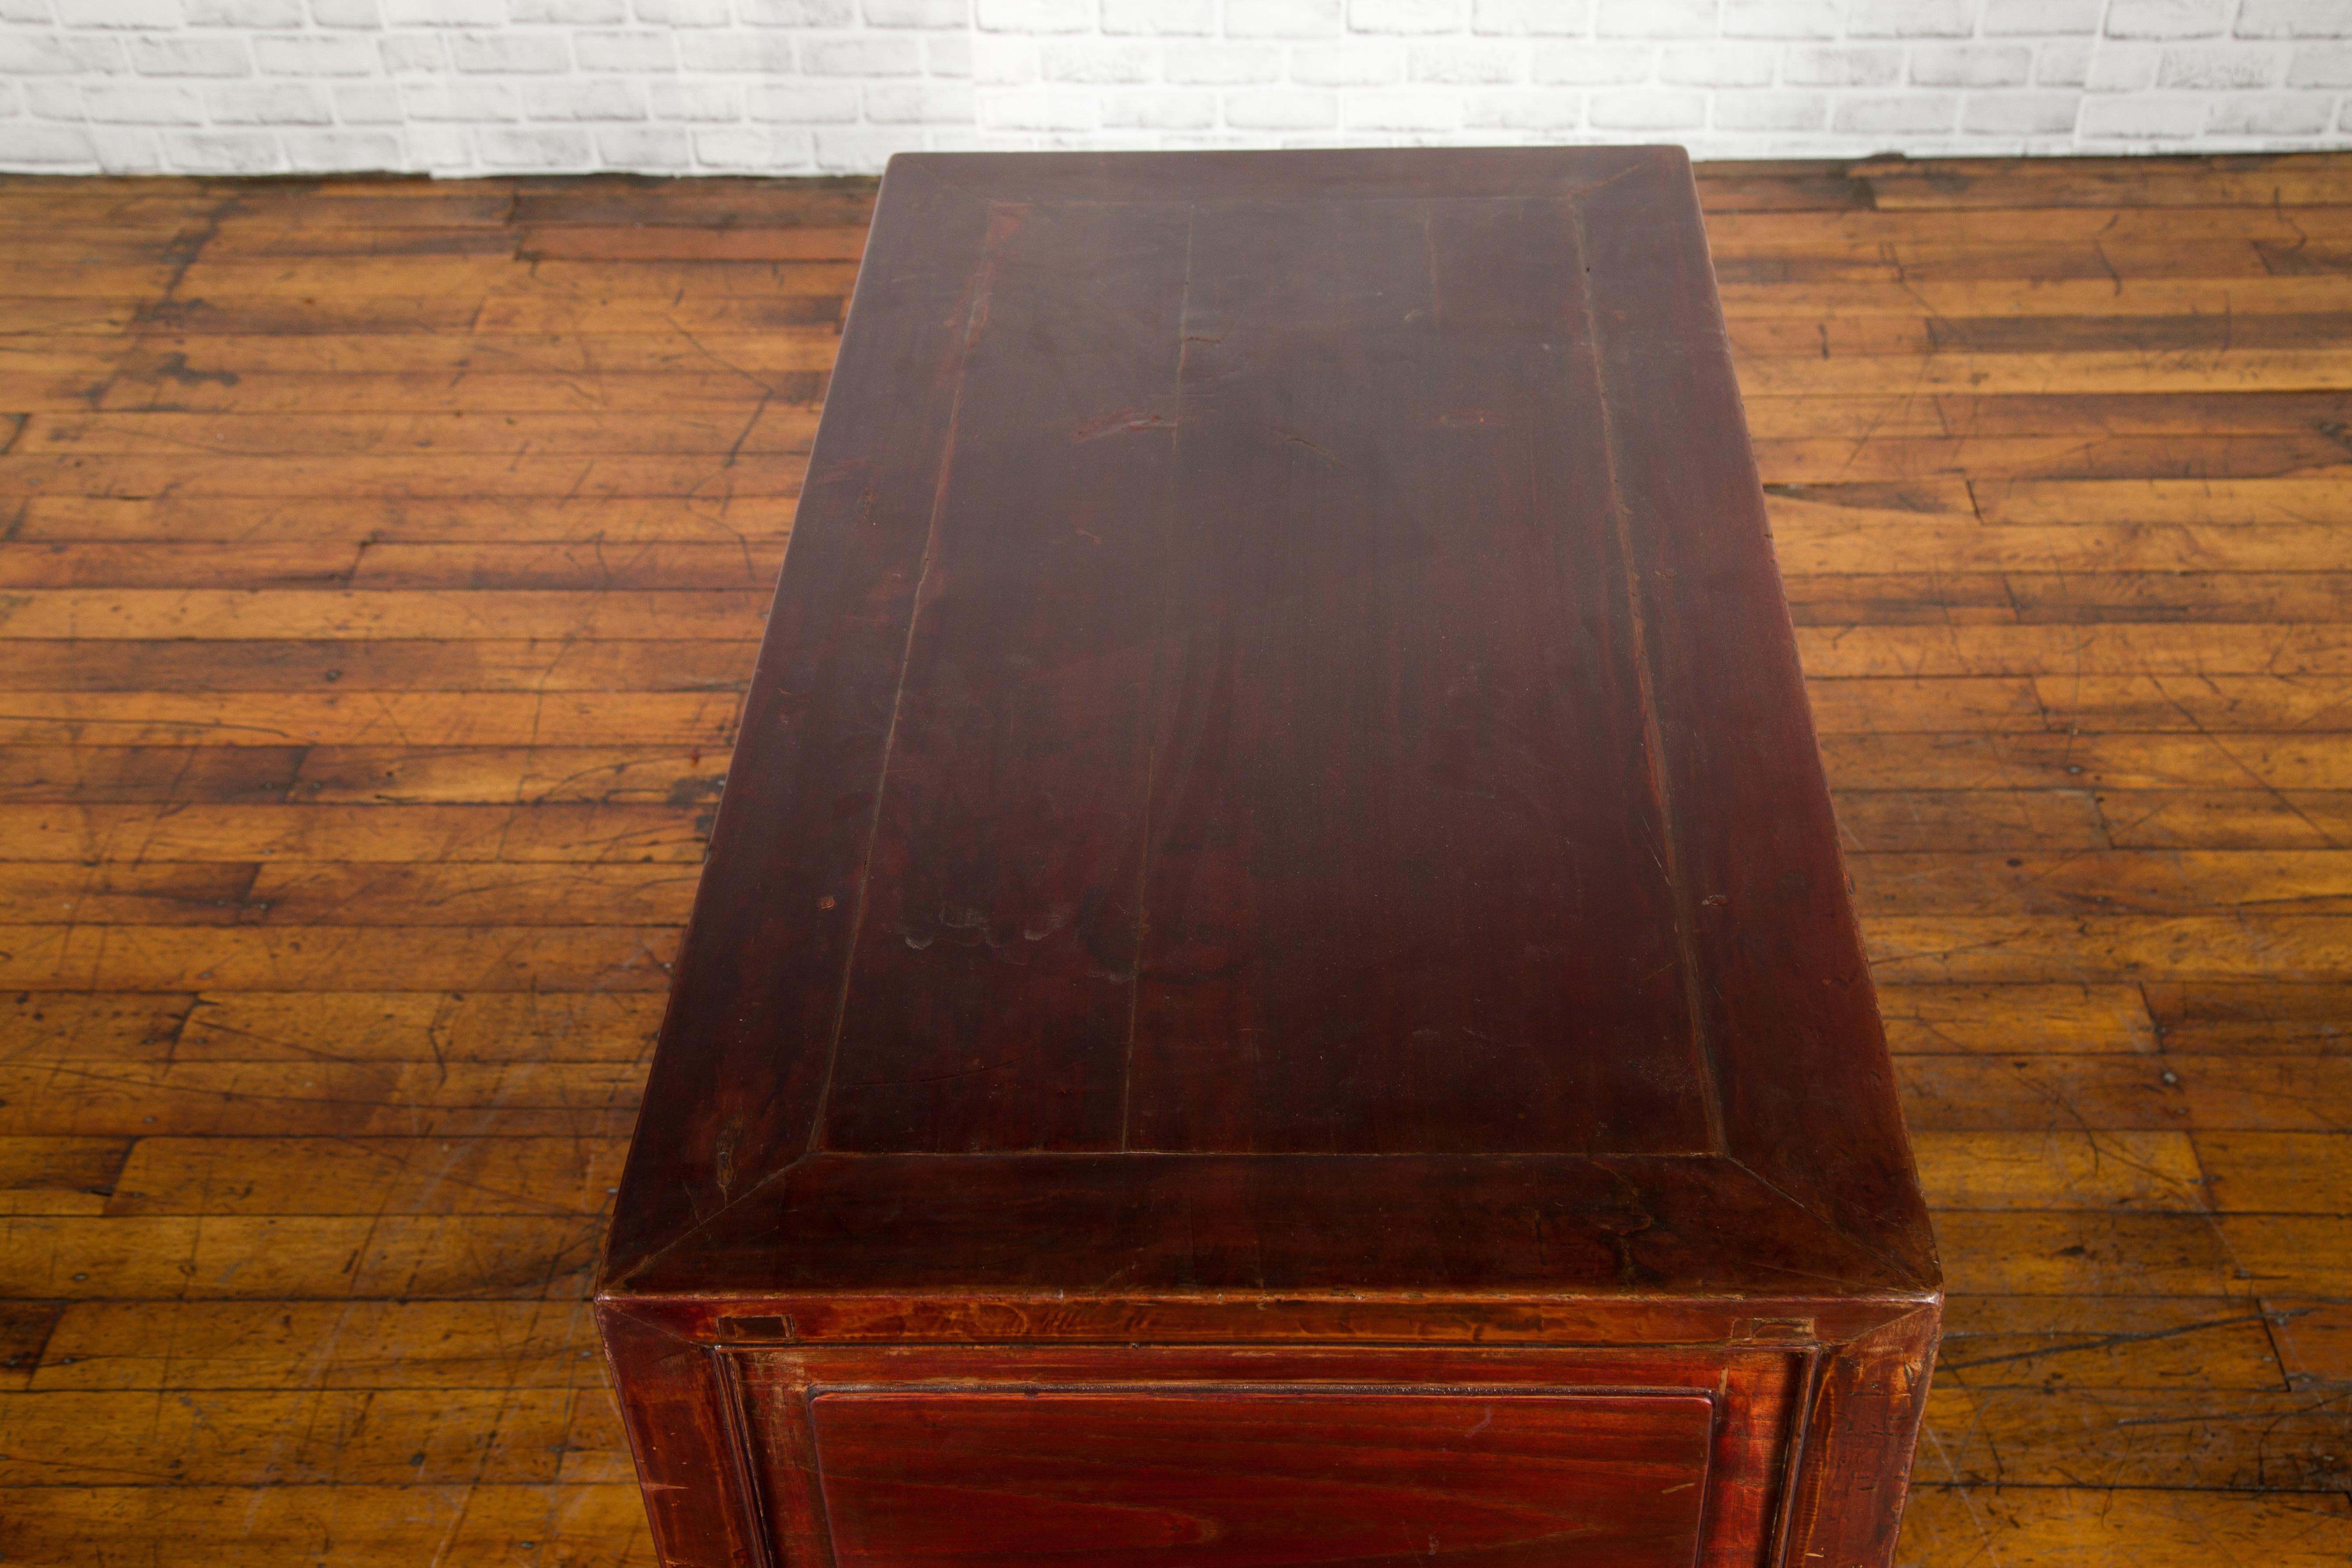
<point>1273,984</point>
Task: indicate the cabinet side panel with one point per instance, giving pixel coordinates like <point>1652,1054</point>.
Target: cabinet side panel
<point>1846,1505</point>
<point>679,1410</point>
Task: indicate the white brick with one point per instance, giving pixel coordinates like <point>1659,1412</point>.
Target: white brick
<point>2019,114</point>
<point>368,103</point>
<point>269,103</point>
<point>698,99</point>
<point>2062,63</point>
<point>917,13</point>
<point>969,141</point>
<point>1036,109</point>
<point>536,147</point>
<point>800,103</point>
<point>1221,64</point>
<point>324,151</point>
<point>1911,19</point>
<point>644,147</point>
<point>569,12</point>
<point>98,54</point>
<point>1715,65</point>
<point>458,100</point>
<point>245,12</point>
<point>1358,62</point>
<point>1401,109</point>
<point>947,54</point>
<point>35,146</point>
<point>2295,19</point>
<point>684,13</point>
<point>355,14</point>
<point>1160,109</point>
<point>1193,18</point>
<point>23,56</point>
<point>27,13</point>
<point>414,54</point>
<point>53,99</point>
<point>1407,16</point>
<point>1647,109</point>
<point>1908,111</point>
<point>1529,109</point>
<point>1782,18</point>
<point>587,97</point>
<point>312,56</point>
<point>445,13</point>
<point>626,49</point>
<point>1034,15</point>
<point>2045,17</point>
<point>2222,68</point>
<point>1522,17</point>
<point>507,54</point>
<point>1004,62</point>
<point>224,152</point>
<point>119,13</point>
<point>1280,109</point>
<point>143,103</point>
<point>125,150</point>
<point>2144,118</point>
<point>1096,59</point>
<point>1593,65</point>
<point>1281,18</point>
<point>764,54</point>
<point>764,150</point>
<point>1211,141</point>
<point>2166,19</point>
<point>1772,111</point>
<point>1972,65</point>
<point>11,100</point>
<point>1655,19</point>
<point>441,148</point>
<point>888,55</point>
<point>2123,67</point>
<point>920,104</point>
<point>796,13</point>
<point>2270,114</point>
<point>1867,65</point>
<point>1466,61</point>
<point>191,54</point>
<point>2321,65</point>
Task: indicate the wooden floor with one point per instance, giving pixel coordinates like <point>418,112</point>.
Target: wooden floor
<point>379,568</point>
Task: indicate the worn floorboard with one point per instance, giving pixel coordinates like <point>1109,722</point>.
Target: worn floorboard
<point>381,564</point>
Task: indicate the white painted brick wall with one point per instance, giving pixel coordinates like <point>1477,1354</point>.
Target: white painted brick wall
<point>477,87</point>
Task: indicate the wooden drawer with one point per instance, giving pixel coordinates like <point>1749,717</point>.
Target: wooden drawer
<point>1253,1476</point>
<point>1246,1457</point>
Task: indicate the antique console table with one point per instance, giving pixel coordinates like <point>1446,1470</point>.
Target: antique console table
<point>1273,984</point>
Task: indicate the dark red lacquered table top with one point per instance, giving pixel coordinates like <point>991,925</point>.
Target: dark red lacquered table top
<point>1278,765</point>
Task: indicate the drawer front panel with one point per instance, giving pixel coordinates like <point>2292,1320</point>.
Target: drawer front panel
<point>1254,1477</point>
